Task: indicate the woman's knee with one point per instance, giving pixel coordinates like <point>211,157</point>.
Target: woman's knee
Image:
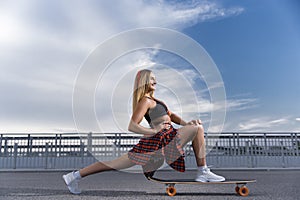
<point>200,128</point>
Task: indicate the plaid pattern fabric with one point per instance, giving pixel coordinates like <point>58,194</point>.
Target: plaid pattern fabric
<point>165,143</point>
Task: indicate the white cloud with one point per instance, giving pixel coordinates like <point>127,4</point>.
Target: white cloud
<point>264,124</point>
<point>202,11</point>
<point>181,14</point>
<point>46,41</point>
<point>241,104</point>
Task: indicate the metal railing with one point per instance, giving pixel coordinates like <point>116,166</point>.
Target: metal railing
<point>71,150</point>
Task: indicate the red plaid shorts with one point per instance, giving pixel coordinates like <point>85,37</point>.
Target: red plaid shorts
<point>165,143</point>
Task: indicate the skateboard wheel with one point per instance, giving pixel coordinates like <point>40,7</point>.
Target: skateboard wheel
<point>244,191</point>
<point>171,191</point>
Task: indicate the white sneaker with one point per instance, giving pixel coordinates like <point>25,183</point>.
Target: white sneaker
<point>206,175</point>
<point>72,183</point>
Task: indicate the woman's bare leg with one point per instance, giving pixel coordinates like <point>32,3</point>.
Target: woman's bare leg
<point>194,133</point>
<point>122,162</point>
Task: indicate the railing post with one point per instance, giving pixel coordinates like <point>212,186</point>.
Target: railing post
<point>282,154</point>
<point>266,145</point>
<point>105,148</point>
<point>114,147</point>
<point>234,145</point>
<point>46,155</point>
<point>15,155</point>
<point>90,143</point>
<point>31,143</point>
<point>1,144</point>
<point>54,155</point>
<point>60,143</point>
<point>119,144</point>
<point>28,144</point>
<point>254,149</point>
<point>297,144</point>
<point>217,153</point>
<point>82,153</point>
<point>238,144</point>
<point>230,147</point>
<point>56,144</point>
<point>50,156</point>
<point>248,153</point>
<point>5,147</point>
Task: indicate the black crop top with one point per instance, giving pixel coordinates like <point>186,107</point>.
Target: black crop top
<point>159,110</point>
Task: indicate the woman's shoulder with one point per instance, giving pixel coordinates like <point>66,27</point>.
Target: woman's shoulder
<point>161,102</point>
<point>157,100</point>
<point>146,100</point>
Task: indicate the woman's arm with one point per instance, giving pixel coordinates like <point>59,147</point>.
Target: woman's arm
<point>137,116</point>
<point>176,119</point>
<point>137,128</point>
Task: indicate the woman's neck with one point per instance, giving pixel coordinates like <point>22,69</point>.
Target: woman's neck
<point>148,95</point>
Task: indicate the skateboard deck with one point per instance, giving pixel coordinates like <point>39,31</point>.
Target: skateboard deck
<point>241,188</point>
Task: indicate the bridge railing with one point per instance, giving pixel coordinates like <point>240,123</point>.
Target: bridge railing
<point>72,150</point>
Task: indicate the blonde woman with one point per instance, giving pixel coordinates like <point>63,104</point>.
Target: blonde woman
<point>161,141</point>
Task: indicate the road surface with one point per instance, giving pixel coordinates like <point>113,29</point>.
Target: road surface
<point>273,185</point>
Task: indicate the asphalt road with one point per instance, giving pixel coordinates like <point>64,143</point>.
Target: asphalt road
<point>280,184</point>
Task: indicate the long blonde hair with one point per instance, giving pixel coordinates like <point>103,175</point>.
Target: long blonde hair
<point>141,86</point>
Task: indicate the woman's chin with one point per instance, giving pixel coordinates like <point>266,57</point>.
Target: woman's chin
<point>152,89</point>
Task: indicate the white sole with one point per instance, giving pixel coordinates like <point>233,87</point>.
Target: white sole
<point>205,180</point>
<point>214,181</point>
<point>201,180</point>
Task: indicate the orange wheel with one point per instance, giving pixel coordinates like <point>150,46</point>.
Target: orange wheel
<point>244,191</point>
<point>237,189</point>
<point>171,191</point>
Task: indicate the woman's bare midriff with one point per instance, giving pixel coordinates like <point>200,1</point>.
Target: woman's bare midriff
<point>164,120</point>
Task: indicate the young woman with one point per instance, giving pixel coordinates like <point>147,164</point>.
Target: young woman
<point>159,142</point>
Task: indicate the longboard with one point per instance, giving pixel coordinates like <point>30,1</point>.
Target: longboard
<point>241,188</point>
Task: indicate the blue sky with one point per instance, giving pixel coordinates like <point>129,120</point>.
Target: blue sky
<point>255,45</point>
<point>258,55</point>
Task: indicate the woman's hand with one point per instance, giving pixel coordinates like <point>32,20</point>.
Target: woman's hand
<point>165,125</point>
<point>195,122</point>
<point>159,127</point>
